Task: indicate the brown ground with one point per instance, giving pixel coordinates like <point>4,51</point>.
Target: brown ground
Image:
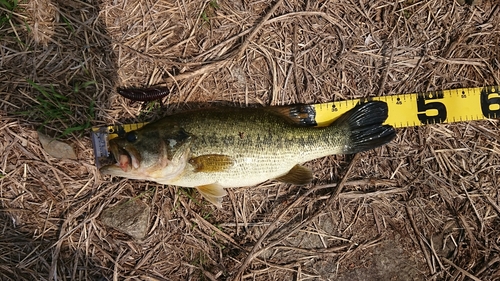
<point>424,207</point>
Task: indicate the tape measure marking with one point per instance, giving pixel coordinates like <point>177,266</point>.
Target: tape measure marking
<point>101,135</point>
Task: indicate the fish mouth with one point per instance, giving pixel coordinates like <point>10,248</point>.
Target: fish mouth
<point>125,158</point>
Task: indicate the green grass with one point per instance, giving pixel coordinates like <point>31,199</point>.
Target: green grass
<point>209,11</point>
<point>151,108</point>
<point>190,193</point>
<point>205,206</point>
<point>82,85</point>
<point>10,6</point>
<point>147,193</point>
<point>69,25</point>
<point>53,106</point>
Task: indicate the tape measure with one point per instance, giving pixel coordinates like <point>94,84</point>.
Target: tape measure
<point>405,110</point>
<point>100,137</point>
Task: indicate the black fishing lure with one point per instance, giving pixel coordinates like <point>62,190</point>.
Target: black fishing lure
<point>144,94</point>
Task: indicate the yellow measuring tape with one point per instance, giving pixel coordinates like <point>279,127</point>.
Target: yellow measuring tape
<point>405,110</point>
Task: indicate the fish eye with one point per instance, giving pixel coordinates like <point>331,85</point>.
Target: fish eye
<point>131,137</point>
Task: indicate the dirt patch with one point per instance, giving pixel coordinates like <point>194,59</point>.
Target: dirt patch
<point>386,261</point>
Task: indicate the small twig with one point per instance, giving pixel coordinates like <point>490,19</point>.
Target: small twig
<point>201,221</point>
<point>408,79</point>
<point>236,54</point>
<point>472,238</point>
<point>219,46</point>
<point>342,183</point>
<point>463,271</point>
<point>452,46</point>
<point>212,227</point>
<point>198,83</point>
<point>491,201</point>
<point>317,252</point>
<point>205,272</point>
<point>204,69</point>
<point>323,15</point>
<point>460,61</point>
<point>419,237</point>
<point>377,193</point>
<point>430,244</point>
<point>386,71</point>
<point>256,29</point>
<point>488,265</point>
<point>473,207</point>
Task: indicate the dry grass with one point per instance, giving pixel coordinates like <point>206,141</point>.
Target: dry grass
<point>425,206</point>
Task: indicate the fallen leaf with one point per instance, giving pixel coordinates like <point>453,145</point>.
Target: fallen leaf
<point>55,148</point>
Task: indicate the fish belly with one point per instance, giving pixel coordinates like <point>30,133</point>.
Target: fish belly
<point>233,177</point>
<point>248,171</point>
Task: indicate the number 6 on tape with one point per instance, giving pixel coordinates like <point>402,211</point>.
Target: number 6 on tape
<point>490,103</point>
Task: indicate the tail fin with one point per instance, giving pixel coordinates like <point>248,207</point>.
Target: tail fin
<point>364,123</point>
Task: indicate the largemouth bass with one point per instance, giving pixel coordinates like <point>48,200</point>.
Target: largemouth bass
<point>213,149</point>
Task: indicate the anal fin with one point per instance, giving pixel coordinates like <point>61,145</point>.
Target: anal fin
<point>298,175</point>
<point>213,193</point>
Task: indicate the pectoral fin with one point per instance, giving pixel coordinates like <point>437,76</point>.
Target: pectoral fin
<point>212,192</point>
<point>298,175</point>
<point>211,163</point>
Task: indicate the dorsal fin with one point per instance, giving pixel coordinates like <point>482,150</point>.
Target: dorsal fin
<point>300,114</point>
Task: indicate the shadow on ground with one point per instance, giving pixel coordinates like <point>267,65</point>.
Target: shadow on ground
<point>56,61</point>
